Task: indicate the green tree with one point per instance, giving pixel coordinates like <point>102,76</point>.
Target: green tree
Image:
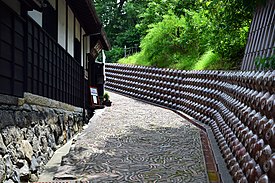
<point>220,26</point>
<point>174,32</point>
<point>156,9</point>
<point>175,39</point>
<point>119,19</point>
<point>231,20</point>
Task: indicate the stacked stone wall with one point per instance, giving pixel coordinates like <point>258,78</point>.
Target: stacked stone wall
<point>31,129</point>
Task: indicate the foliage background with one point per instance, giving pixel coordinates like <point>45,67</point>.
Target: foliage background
<point>201,34</point>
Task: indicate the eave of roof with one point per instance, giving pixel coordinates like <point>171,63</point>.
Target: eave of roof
<point>87,16</point>
<point>33,4</point>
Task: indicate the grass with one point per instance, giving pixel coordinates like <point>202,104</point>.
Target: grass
<point>184,62</point>
<point>136,59</point>
<point>206,61</point>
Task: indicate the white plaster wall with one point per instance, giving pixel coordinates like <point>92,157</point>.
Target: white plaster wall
<point>87,50</point>
<point>53,3</point>
<point>70,38</point>
<point>83,55</point>
<point>62,23</point>
<point>77,30</point>
<point>36,16</point>
<point>14,4</point>
<point>103,56</point>
<point>104,61</point>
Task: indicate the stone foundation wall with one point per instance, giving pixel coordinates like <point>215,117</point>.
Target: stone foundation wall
<point>31,129</point>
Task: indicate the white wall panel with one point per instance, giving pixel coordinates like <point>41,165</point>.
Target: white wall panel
<point>62,23</point>
<point>87,50</point>
<point>88,45</point>
<point>36,16</point>
<point>77,29</point>
<point>14,4</point>
<point>53,3</point>
<point>83,55</point>
<point>70,38</point>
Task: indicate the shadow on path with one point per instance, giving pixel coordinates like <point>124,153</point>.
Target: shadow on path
<point>160,154</point>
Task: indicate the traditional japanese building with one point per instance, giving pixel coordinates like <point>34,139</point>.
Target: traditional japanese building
<point>46,47</point>
<point>48,50</point>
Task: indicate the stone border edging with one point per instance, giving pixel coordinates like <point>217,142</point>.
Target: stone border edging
<point>33,99</point>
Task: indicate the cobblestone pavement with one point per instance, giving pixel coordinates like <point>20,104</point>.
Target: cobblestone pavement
<point>136,142</point>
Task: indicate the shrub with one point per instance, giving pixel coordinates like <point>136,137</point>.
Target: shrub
<point>115,54</point>
<point>206,60</point>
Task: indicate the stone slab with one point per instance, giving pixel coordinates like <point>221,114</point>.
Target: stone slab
<point>8,100</point>
<point>46,102</point>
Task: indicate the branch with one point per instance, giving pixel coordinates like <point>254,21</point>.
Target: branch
<point>120,4</point>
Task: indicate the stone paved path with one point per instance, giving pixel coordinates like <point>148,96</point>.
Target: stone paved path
<point>136,142</point>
